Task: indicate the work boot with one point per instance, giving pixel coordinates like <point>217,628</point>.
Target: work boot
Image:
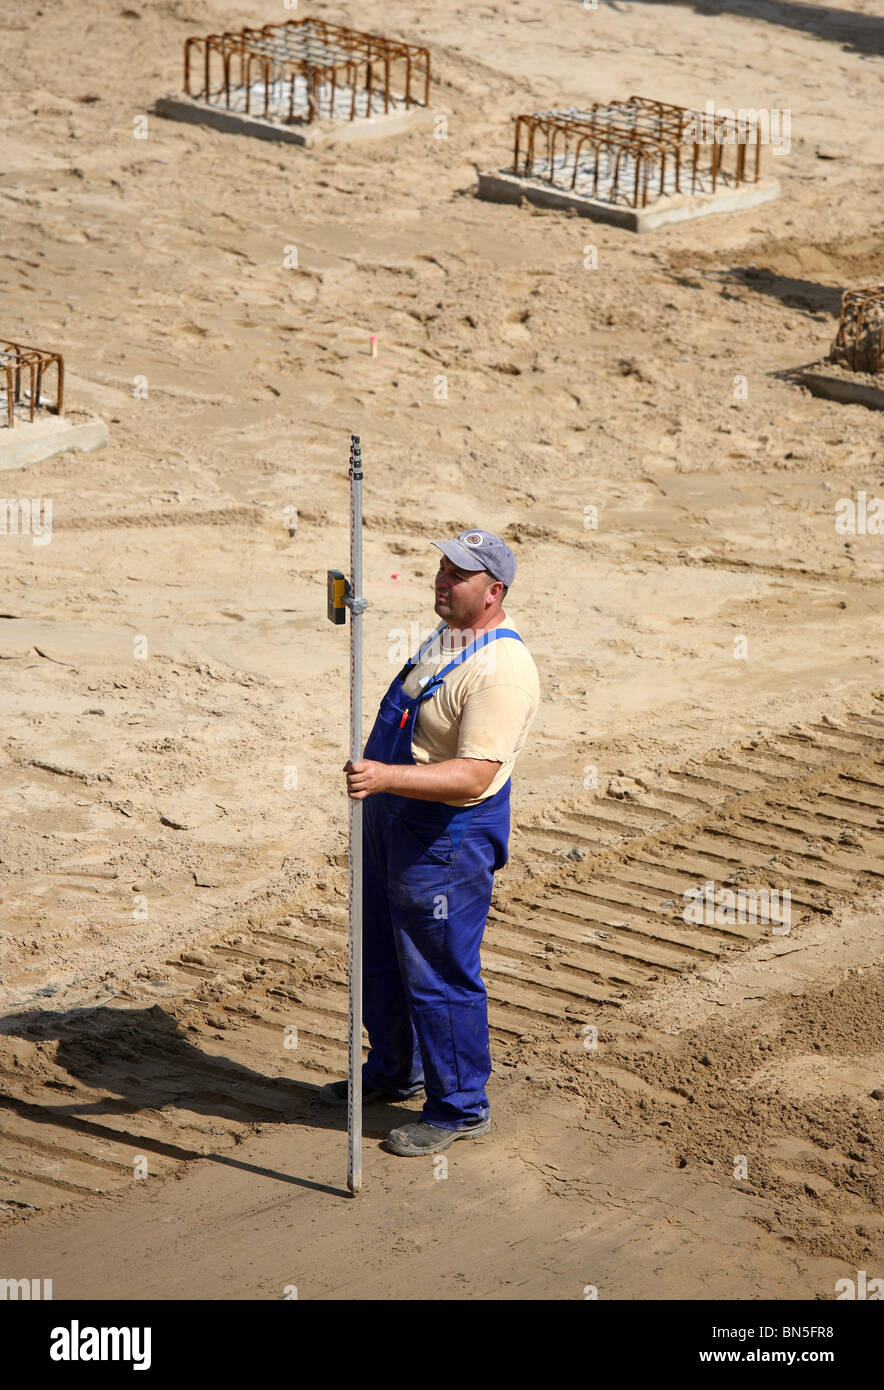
<point>335,1093</point>
<point>421,1138</point>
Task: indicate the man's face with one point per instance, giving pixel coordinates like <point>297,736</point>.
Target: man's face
<point>461,594</point>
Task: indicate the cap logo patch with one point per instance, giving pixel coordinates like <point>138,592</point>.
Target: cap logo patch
<point>472,539</point>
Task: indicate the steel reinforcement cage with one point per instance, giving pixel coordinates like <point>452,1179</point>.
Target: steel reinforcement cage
<point>859,342</point>
<point>15,360</point>
<point>321,54</point>
<point>625,143</point>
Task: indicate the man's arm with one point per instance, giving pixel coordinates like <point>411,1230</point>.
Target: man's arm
<point>456,779</point>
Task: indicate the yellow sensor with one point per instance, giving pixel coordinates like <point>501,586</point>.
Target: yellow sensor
<point>337,588</point>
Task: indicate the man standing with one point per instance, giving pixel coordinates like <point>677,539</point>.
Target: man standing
<point>435,778</point>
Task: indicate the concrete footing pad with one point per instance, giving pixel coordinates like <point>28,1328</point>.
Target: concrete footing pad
<point>183,108</point>
<point>30,443</point>
<point>857,388</point>
<point>677,207</point>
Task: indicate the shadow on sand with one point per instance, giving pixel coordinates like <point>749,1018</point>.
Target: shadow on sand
<point>144,1059</point>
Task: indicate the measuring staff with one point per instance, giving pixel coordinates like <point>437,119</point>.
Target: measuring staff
<point>435,782</point>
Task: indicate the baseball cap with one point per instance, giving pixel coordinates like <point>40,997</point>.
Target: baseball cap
<point>481,550</point>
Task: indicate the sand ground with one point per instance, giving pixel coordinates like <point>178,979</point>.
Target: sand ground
<point>173,896</point>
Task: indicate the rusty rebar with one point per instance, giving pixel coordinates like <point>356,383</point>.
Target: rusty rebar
<point>859,341</point>
<point>628,148</point>
<point>322,55</point>
<point>17,358</point>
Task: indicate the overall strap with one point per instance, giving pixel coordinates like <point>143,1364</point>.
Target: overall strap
<point>413,660</point>
<point>434,682</point>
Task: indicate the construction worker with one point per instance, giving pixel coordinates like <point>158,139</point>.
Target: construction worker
<point>435,780</point>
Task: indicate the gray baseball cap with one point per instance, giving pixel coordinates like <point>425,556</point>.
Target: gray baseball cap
<point>481,550</point>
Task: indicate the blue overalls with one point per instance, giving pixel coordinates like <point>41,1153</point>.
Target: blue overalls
<point>427,878</point>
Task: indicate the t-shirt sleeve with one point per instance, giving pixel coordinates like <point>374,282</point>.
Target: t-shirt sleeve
<point>494,722</point>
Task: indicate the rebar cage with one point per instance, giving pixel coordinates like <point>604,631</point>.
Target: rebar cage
<point>859,342</point>
<point>306,69</point>
<point>15,361</point>
<point>635,150</point>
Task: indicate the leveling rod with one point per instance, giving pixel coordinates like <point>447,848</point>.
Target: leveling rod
<point>343,594</point>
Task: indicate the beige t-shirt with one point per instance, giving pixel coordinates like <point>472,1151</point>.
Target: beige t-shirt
<point>484,708</point>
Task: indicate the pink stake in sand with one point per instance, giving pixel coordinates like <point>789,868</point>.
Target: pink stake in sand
<point>374,344</point>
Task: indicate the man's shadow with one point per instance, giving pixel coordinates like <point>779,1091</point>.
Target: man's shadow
<point>145,1059</point>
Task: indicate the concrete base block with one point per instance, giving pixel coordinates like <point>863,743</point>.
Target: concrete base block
<point>182,108</point>
<point>675,207</point>
<point>31,443</point>
<point>861,389</point>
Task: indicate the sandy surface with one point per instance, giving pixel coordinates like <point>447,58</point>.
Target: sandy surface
<point>144,813</point>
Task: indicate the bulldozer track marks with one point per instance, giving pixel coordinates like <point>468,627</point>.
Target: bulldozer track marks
<point>589,914</point>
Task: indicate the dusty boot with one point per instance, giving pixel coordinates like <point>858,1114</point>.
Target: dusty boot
<point>335,1093</point>
<point>420,1138</point>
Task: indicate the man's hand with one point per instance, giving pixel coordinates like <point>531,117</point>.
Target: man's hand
<point>365,778</point>
<point>457,779</point>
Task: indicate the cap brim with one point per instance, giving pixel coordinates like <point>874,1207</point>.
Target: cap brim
<point>459,555</point>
